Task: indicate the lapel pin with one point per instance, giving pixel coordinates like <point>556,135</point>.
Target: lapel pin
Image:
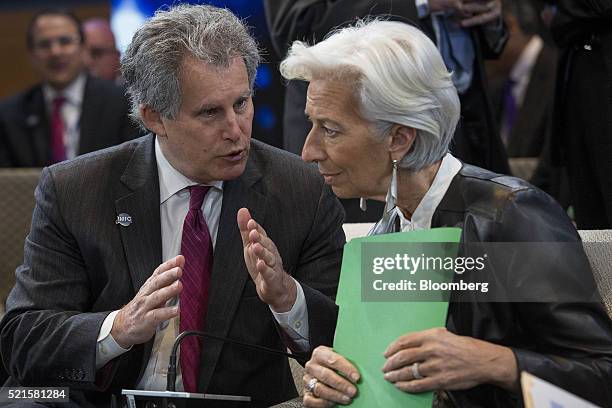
<point>124,220</point>
<point>32,120</point>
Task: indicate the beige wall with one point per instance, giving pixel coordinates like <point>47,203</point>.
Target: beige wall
<point>15,71</point>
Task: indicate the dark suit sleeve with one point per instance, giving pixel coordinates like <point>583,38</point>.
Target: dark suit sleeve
<point>572,341</point>
<point>318,270</point>
<point>311,20</point>
<point>5,159</point>
<point>586,9</point>
<point>47,337</point>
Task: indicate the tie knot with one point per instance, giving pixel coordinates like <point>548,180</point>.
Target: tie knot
<point>58,101</point>
<point>196,198</point>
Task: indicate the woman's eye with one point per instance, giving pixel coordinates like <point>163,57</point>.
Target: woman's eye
<point>329,132</point>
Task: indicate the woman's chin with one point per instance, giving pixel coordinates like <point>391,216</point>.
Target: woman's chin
<point>343,192</point>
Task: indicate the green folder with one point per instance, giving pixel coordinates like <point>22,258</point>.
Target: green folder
<point>366,328</point>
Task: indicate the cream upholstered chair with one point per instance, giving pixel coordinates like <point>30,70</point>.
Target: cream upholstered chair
<point>598,247</point>
<point>16,205</point>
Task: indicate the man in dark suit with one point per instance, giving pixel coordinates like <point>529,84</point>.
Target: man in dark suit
<point>69,113</point>
<point>95,309</point>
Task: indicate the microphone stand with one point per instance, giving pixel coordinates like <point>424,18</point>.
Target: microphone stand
<point>171,378</point>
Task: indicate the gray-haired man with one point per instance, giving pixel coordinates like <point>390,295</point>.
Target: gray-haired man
<point>94,308</point>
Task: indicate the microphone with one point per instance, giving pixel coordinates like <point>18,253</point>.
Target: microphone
<point>171,379</point>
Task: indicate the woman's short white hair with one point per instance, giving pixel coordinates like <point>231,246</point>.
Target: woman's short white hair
<point>401,79</point>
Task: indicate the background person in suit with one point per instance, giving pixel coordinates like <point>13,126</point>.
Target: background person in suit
<point>522,82</point>
<point>69,113</point>
<point>582,118</point>
<point>89,309</point>
<point>102,57</point>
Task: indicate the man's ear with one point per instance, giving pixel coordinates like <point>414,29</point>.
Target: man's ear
<point>152,120</point>
<point>402,139</point>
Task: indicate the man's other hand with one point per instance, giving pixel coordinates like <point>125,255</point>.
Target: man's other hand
<point>137,321</point>
<point>274,286</point>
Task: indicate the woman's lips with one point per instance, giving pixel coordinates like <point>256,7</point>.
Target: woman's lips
<point>235,156</point>
<point>329,177</point>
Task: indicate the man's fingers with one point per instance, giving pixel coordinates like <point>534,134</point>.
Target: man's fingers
<point>162,295</point>
<point>254,225</point>
<point>162,314</point>
<point>243,218</point>
<point>265,255</point>
<point>476,8</point>
<point>481,19</point>
<point>161,280</point>
<point>177,261</point>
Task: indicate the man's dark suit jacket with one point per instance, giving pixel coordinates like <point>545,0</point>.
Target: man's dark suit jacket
<point>80,265</point>
<point>476,140</point>
<point>568,344</point>
<point>534,117</point>
<point>25,130</point>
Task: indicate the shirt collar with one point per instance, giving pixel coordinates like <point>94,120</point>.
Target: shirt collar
<point>421,219</point>
<point>171,181</point>
<point>73,92</point>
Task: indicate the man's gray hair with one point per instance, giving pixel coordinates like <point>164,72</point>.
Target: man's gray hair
<point>153,59</point>
<point>400,78</point>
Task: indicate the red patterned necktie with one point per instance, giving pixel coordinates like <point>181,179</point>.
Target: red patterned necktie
<point>196,247</point>
<point>58,151</point>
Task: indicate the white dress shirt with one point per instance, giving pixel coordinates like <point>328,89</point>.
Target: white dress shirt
<point>70,111</point>
<point>421,219</point>
<point>174,205</point>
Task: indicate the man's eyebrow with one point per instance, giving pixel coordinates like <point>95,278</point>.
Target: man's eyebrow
<point>214,105</point>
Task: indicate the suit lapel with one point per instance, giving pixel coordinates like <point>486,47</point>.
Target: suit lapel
<point>229,273</point>
<point>37,127</point>
<point>142,238</point>
<point>140,199</point>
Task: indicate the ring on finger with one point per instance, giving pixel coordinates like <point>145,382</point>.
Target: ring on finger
<point>310,386</point>
<point>415,371</point>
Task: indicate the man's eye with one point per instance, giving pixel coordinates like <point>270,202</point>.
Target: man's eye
<point>209,113</point>
<point>240,105</point>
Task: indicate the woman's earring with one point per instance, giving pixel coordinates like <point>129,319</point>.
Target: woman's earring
<point>393,187</point>
<point>363,205</point>
<point>391,199</point>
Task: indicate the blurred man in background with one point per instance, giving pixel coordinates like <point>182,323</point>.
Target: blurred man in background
<point>102,57</point>
<point>69,113</point>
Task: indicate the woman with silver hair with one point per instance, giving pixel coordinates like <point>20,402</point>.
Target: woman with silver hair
<point>383,110</point>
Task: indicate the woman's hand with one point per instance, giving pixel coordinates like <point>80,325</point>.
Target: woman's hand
<point>442,360</point>
<point>334,379</point>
